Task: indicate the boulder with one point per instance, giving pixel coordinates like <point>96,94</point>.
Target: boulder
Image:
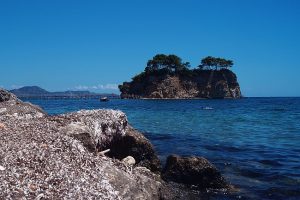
<point>134,144</point>
<point>37,159</point>
<point>108,129</point>
<point>49,157</point>
<point>193,171</point>
<point>96,129</point>
<point>45,157</point>
<point>6,96</point>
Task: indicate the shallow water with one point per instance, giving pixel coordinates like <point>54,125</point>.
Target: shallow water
<point>255,142</point>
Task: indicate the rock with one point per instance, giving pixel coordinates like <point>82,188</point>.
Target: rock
<point>193,171</point>
<point>48,160</point>
<point>108,129</point>
<point>96,129</point>
<point>202,84</point>
<point>64,168</point>
<point>129,160</point>
<point>139,147</point>
<point>2,126</point>
<point>12,107</point>
<point>2,110</point>
<point>53,157</point>
<point>45,160</point>
<point>6,96</point>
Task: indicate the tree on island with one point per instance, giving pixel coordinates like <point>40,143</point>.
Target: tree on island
<point>161,65</point>
<point>169,63</point>
<point>219,63</point>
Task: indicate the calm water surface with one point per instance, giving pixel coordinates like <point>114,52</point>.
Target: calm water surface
<point>255,142</point>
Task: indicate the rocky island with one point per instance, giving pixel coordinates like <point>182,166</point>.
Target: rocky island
<point>167,77</point>
<point>90,154</point>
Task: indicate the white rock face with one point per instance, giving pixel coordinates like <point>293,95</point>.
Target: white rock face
<point>95,128</point>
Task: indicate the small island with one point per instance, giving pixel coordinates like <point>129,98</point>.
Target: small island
<point>168,77</point>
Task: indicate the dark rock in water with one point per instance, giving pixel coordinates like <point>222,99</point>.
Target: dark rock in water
<point>193,171</point>
<point>138,146</point>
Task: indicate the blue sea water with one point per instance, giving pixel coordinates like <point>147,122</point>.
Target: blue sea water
<point>254,142</point>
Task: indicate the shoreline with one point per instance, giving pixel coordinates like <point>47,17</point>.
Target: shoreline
<point>100,142</point>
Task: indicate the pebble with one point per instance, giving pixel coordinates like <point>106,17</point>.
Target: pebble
<point>129,160</point>
<point>2,168</point>
<point>2,110</point>
<point>2,126</point>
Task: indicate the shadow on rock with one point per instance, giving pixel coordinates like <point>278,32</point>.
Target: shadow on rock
<point>139,147</point>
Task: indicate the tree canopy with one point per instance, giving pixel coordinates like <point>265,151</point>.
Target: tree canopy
<point>169,63</point>
<point>219,63</point>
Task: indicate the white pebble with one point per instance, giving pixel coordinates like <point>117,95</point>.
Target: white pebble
<point>2,168</point>
<point>129,160</point>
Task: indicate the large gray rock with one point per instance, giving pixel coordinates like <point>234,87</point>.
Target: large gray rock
<point>96,129</point>
<point>108,129</point>
<point>44,157</point>
<point>193,171</point>
<point>40,161</point>
<point>6,96</point>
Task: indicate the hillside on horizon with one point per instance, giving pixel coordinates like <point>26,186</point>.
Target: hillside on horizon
<point>36,91</point>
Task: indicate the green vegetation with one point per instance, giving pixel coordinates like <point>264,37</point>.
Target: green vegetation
<point>168,63</point>
<point>218,63</point>
<point>171,64</point>
<point>162,64</point>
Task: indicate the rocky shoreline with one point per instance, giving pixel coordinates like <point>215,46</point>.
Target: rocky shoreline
<point>207,84</point>
<point>90,154</point>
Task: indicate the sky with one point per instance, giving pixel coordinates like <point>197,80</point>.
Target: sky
<point>96,45</point>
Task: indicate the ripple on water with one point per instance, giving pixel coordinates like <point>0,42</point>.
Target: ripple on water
<point>270,162</point>
<point>224,148</point>
<point>158,136</point>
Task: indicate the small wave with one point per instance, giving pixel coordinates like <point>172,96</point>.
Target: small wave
<point>283,180</point>
<point>282,193</point>
<point>270,162</point>
<point>279,109</point>
<point>207,108</point>
<point>153,136</point>
<point>223,148</point>
<point>251,173</point>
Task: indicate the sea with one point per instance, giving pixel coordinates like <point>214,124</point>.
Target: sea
<point>254,142</point>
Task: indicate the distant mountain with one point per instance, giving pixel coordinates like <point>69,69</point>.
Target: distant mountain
<point>30,91</point>
<point>35,91</point>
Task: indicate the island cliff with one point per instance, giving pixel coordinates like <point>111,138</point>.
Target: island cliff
<point>163,80</point>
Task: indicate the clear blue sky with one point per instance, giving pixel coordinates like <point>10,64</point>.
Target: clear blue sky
<point>60,44</point>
